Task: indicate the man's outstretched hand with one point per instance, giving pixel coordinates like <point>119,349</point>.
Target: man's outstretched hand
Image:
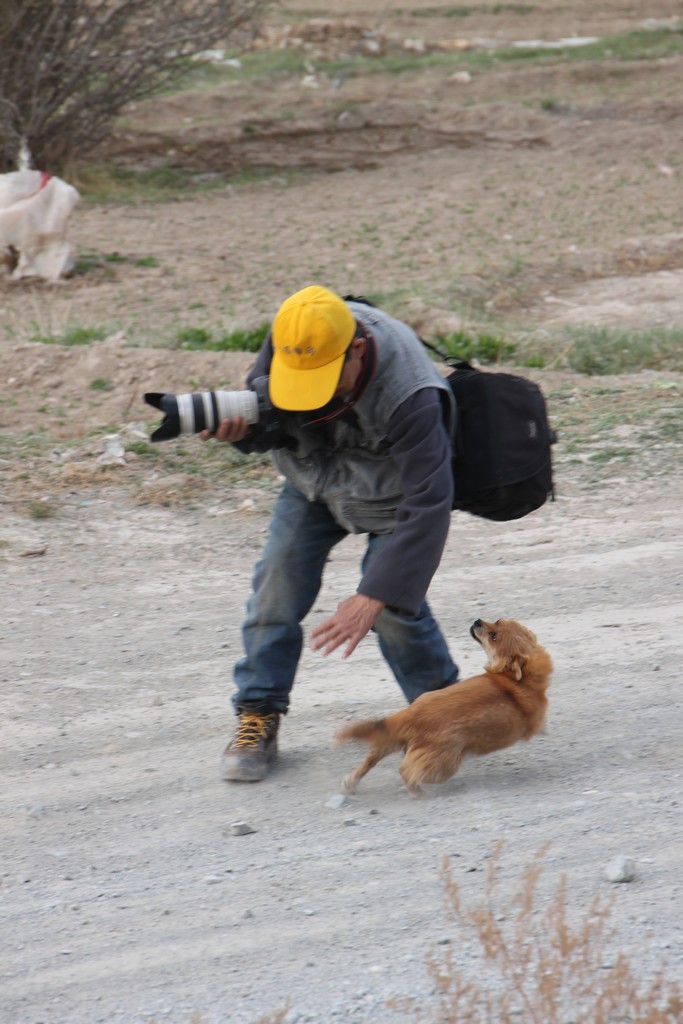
<point>353,619</point>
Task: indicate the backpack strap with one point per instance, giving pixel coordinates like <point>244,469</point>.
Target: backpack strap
<point>455,362</point>
<point>359,298</point>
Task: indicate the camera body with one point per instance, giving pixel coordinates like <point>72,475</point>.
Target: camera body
<point>204,410</point>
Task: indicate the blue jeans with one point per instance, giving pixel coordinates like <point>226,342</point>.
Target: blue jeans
<point>287,580</point>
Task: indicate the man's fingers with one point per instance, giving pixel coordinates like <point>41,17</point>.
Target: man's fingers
<point>234,429</point>
<point>326,638</point>
<point>332,644</point>
<point>350,623</point>
<point>328,648</point>
<point>351,648</point>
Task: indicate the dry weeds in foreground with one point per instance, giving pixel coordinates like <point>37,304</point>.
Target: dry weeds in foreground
<point>536,968</point>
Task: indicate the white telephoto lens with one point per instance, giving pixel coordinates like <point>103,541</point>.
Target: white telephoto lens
<point>237,403</point>
<point>185,414</point>
<point>203,410</point>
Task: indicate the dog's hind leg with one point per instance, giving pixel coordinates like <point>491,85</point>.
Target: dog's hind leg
<point>427,766</point>
<point>410,772</point>
<point>412,787</point>
<point>350,781</point>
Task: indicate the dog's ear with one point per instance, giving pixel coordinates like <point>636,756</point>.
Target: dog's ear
<point>516,665</point>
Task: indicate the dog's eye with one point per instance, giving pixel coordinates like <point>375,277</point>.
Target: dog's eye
<point>494,637</point>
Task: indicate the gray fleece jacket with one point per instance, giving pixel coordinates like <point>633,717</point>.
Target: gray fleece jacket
<point>381,461</point>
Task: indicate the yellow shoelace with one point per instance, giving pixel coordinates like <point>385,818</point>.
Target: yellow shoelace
<point>252,728</point>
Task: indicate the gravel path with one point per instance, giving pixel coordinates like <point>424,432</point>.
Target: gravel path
<point>126,896</point>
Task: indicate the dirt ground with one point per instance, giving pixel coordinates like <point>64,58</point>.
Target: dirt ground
<point>537,196</point>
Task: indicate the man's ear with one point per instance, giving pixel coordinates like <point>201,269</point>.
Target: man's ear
<point>358,346</point>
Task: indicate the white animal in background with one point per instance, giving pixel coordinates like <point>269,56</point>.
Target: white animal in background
<point>34,212</point>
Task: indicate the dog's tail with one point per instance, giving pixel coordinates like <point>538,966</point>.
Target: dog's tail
<point>374,732</point>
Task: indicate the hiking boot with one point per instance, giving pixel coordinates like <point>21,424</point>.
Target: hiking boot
<point>252,748</point>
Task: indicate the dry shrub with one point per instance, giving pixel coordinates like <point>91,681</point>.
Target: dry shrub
<point>536,967</point>
<point>68,67</point>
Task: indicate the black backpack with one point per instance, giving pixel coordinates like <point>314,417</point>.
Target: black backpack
<point>502,466</point>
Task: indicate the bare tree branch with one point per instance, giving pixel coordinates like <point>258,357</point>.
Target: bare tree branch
<point>68,67</point>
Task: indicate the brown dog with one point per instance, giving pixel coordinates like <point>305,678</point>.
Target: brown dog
<point>476,716</point>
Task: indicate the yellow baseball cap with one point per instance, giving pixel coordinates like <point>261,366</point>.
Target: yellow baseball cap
<point>311,332</point>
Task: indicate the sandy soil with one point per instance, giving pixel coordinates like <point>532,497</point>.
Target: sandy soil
<point>126,894</point>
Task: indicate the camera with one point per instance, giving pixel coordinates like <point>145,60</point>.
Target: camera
<point>203,410</point>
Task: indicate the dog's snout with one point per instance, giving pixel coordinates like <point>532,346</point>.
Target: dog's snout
<point>475,628</point>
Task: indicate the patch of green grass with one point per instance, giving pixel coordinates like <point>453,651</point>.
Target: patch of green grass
<point>72,336</point>
<point>466,11</point>
<point>599,351</point>
<point>193,337</point>
<point>100,384</point>
<point>672,426</point>
<point>256,64</point>
<point>200,338</point>
<point>114,183</point>
<point>644,44</point>
<point>485,348</point>
<point>89,262</point>
<point>41,509</point>
<point>142,448</point>
<point>610,351</point>
<point>535,361</point>
<point>552,105</point>
<point>94,261</point>
<point>629,428</point>
<point>609,454</point>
